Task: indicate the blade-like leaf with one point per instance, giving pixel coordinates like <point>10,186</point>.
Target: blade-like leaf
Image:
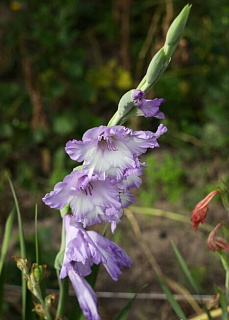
<point>185,268</point>
<point>223,303</point>
<point>76,312</point>
<point>6,237</point>
<point>177,309</point>
<point>36,238</point>
<point>22,249</point>
<point>2,278</point>
<point>123,314</point>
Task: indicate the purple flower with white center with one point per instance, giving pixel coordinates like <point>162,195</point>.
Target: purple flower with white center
<point>91,200</point>
<point>85,248</point>
<point>112,151</point>
<point>147,108</point>
<point>87,298</point>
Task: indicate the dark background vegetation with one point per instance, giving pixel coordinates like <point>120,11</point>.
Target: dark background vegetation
<point>64,66</point>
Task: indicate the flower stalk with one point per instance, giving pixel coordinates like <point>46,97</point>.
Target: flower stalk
<point>63,283</point>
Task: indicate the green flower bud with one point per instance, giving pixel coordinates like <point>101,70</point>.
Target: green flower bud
<point>156,67</point>
<point>49,300</point>
<point>162,58</point>
<point>176,30</point>
<point>38,272</point>
<point>125,104</point>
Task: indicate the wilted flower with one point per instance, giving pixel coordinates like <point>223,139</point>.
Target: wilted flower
<point>85,248</point>
<point>200,211</point>
<point>109,152</point>
<point>148,108</point>
<point>216,243</point>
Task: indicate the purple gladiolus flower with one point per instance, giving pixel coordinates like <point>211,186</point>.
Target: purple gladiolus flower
<point>110,152</point>
<point>85,248</point>
<point>148,108</point>
<point>85,295</point>
<point>91,200</point>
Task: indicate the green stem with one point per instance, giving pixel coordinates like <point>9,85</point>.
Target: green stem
<point>40,298</point>
<point>227,285</point>
<point>63,283</point>
<point>115,120</point>
<point>63,295</point>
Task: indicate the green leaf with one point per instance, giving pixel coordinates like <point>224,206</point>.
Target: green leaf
<point>76,312</point>
<point>177,309</point>
<point>185,268</point>
<point>223,303</point>
<point>2,278</point>
<point>6,237</point>
<point>91,278</point>
<point>123,314</point>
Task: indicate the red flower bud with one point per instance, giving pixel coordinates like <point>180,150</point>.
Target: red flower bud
<point>200,211</point>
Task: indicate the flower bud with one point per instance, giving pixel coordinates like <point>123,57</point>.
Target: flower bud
<point>38,272</point>
<point>49,300</point>
<point>216,243</point>
<point>200,211</point>
<point>156,67</point>
<point>175,31</point>
<point>162,58</point>
<point>39,310</point>
<point>22,264</point>
<point>125,104</point>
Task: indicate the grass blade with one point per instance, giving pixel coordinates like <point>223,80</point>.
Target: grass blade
<point>36,238</point>
<point>123,314</point>
<point>177,309</point>
<point>223,303</point>
<point>22,249</point>
<point>185,268</point>
<point>2,280</point>
<point>20,227</point>
<point>6,237</point>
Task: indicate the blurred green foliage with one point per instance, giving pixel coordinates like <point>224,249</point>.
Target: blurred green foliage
<point>65,65</point>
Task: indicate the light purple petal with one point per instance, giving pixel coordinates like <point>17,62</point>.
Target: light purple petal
<point>160,130</point>
<point>79,249</point>
<point>85,295</point>
<point>150,108</point>
<point>147,108</point>
<point>91,200</point>
<point>109,152</point>
<point>115,256</point>
<point>85,248</point>
<point>127,198</point>
<point>138,95</point>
